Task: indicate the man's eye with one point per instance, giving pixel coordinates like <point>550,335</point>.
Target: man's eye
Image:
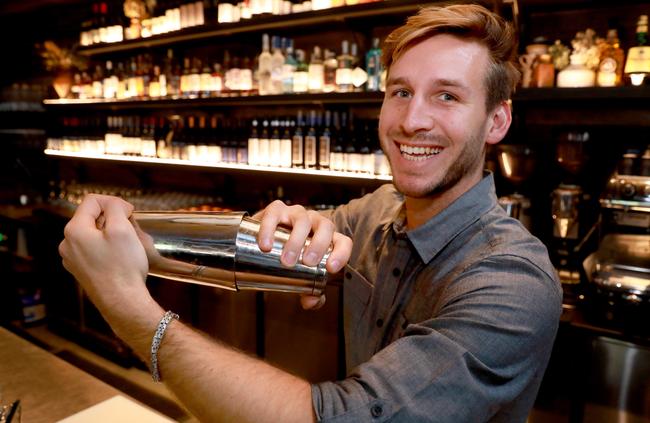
<point>401,93</point>
<point>447,97</point>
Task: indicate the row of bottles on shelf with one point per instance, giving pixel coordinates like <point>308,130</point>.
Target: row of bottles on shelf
<point>276,71</point>
<point>316,140</point>
<point>70,194</point>
<point>116,21</point>
<point>590,61</point>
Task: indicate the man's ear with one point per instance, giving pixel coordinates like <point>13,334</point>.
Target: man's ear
<point>499,122</point>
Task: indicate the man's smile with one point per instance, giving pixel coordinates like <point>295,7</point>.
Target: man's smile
<point>418,153</point>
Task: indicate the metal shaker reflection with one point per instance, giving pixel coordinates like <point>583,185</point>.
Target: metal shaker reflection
<point>220,249</point>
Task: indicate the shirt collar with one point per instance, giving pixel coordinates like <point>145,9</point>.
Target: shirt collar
<point>435,234</point>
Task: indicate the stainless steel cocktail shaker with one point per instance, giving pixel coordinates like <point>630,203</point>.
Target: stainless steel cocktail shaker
<point>220,249</point>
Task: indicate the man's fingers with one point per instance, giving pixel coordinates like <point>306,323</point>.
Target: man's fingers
<point>310,302</point>
<point>300,229</point>
<point>269,221</point>
<point>320,241</point>
<point>341,251</point>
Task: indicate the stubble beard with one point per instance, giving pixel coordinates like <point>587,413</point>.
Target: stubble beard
<point>468,160</point>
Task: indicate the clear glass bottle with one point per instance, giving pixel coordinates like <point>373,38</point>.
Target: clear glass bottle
<point>288,69</point>
<point>344,70</point>
<point>374,66</point>
<point>265,67</point>
<point>330,65</point>
<point>301,75</point>
<point>316,71</point>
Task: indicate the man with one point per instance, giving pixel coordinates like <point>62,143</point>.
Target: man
<point>450,307</point>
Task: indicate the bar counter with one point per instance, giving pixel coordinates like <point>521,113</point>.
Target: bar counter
<point>49,388</point>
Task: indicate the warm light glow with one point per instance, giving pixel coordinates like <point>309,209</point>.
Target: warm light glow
<point>178,162</point>
<point>507,169</point>
<point>637,79</point>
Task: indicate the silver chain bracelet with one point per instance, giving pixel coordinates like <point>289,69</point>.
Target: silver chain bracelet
<point>157,339</point>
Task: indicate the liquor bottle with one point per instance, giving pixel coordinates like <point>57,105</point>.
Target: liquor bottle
<point>301,75</point>
<point>637,65</point>
<point>374,66</point>
<point>285,144</point>
<point>277,63</point>
<point>163,147</point>
<point>214,149</point>
<point>297,143</point>
<point>264,147</point>
<point>206,87</point>
<point>311,142</point>
<point>264,67</point>
<point>172,75</point>
<point>154,83</point>
<point>109,85</point>
<point>344,70</point>
<point>359,76</point>
<point>242,143</point>
<point>612,59</point>
<point>185,78</point>
<point>148,143</point>
<point>195,78</point>
<point>367,158</point>
<point>253,145</point>
<point>98,83</point>
<point>274,144</point>
<point>330,65</point>
<point>324,142</point>
<point>230,74</point>
<point>316,72</point>
<point>202,153</point>
<point>336,147</point>
<point>217,80</point>
<point>289,67</point>
<point>246,77</point>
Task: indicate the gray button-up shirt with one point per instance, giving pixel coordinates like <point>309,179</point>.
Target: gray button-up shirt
<point>453,321</point>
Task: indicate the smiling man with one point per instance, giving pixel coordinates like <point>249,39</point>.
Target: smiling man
<point>450,307</point>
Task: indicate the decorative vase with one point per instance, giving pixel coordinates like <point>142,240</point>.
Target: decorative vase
<point>62,83</point>
<point>577,74</point>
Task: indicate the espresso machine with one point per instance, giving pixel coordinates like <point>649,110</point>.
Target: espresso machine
<point>516,163</point>
<point>619,271</point>
<point>573,226</point>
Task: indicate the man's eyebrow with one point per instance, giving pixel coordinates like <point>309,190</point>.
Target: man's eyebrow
<point>441,82</point>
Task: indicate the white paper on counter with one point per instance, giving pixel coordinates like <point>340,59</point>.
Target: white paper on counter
<point>116,409</point>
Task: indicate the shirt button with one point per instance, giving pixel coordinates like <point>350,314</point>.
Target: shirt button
<point>380,323</point>
<point>376,410</point>
<point>396,272</point>
<point>348,275</point>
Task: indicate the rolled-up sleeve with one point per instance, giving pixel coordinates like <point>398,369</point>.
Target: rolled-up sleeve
<point>487,346</point>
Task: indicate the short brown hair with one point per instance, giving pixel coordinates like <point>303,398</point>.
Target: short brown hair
<point>466,21</point>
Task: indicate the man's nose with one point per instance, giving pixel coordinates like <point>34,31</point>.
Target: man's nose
<point>417,117</point>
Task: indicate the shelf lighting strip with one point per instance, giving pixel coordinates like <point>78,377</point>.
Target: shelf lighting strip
<point>177,162</point>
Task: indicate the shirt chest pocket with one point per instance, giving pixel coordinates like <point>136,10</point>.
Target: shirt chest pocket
<point>357,291</point>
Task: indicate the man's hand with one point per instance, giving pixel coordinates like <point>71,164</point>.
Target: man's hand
<point>303,223</point>
<point>102,250</point>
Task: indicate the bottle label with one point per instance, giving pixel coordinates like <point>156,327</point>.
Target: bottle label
<point>296,151</point>
<point>324,152</point>
<point>310,151</point>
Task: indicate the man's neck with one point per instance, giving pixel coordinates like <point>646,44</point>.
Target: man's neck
<point>421,210</point>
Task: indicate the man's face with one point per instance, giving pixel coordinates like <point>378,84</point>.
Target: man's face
<point>433,123</point>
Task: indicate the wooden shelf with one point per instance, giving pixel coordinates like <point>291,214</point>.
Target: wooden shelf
<point>387,8</point>
<point>608,94</point>
<point>369,98</point>
<point>321,174</point>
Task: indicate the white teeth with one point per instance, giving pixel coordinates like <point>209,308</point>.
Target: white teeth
<point>416,153</point>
